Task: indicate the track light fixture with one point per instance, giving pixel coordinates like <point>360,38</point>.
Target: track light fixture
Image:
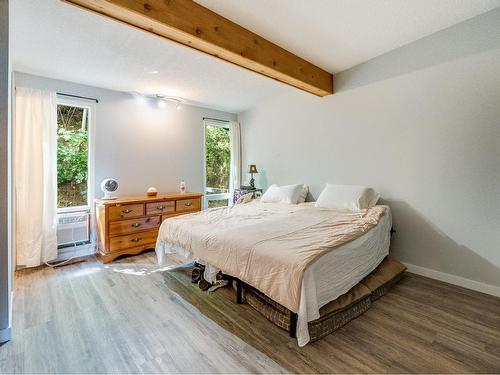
<point>174,99</point>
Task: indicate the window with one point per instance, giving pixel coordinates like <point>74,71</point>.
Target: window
<point>74,172</point>
<point>73,122</point>
<point>217,164</point>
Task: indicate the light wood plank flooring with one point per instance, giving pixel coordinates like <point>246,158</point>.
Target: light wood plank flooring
<point>133,317</point>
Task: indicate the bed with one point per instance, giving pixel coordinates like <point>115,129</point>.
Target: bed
<point>300,256</point>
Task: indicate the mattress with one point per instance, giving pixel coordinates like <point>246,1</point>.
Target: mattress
<point>330,276</point>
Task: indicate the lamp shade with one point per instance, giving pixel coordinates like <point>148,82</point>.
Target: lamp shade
<point>252,168</point>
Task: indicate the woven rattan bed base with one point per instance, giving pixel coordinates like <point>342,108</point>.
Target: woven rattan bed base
<point>273,311</point>
<point>384,288</point>
<point>376,284</point>
<point>318,328</point>
<point>325,325</point>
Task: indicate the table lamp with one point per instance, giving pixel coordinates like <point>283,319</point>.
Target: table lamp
<point>252,169</point>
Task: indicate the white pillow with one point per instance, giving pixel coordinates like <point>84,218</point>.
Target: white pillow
<point>303,194</point>
<point>282,194</point>
<point>272,194</point>
<point>347,197</point>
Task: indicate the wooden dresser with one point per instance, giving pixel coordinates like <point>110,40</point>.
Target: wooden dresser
<point>130,225</point>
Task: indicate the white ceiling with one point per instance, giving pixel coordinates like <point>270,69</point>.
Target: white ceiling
<point>339,34</point>
<point>54,39</point>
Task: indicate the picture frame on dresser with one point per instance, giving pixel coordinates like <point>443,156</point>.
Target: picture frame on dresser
<point>129,225</point>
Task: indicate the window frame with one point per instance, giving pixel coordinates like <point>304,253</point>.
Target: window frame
<point>90,106</point>
<point>221,196</point>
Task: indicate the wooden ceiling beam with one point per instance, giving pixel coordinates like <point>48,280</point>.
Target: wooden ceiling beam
<point>189,23</point>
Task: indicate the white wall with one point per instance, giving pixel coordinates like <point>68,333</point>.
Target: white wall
<point>138,143</point>
<point>422,125</point>
<point>5,263</point>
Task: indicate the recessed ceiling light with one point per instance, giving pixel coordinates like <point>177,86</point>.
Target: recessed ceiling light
<point>153,72</point>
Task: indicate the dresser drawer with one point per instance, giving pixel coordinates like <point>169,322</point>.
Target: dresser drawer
<point>133,225</point>
<point>173,214</point>
<point>159,208</point>
<point>124,211</point>
<point>188,205</point>
<point>132,240</point>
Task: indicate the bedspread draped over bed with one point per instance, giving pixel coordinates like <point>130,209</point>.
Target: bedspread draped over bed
<point>266,246</point>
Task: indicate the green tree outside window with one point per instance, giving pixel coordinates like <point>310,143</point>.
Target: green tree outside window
<point>72,156</point>
<point>218,159</point>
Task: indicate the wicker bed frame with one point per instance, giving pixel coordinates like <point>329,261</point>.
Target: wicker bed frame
<point>334,314</point>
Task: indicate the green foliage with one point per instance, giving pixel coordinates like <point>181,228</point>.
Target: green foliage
<point>72,147</point>
<point>72,156</point>
<point>218,157</point>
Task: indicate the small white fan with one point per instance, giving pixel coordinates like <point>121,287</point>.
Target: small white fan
<point>108,187</point>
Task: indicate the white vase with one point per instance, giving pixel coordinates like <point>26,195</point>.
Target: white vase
<point>182,187</point>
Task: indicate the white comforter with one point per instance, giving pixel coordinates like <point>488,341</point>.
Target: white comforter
<point>330,276</point>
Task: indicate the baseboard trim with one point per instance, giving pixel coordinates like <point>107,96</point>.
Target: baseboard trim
<point>455,280</point>
<point>5,335</point>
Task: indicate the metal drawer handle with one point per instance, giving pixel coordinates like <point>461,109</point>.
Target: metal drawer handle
<point>160,207</point>
<point>126,211</point>
<point>137,239</point>
<point>188,204</point>
<point>136,225</point>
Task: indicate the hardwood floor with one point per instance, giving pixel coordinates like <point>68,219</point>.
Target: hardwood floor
<point>133,317</point>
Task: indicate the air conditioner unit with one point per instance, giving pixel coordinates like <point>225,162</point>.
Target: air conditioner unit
<point>73,228</point>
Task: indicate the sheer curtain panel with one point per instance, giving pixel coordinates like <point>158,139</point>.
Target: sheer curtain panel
<point>35,176</point>
<point>235,140</point>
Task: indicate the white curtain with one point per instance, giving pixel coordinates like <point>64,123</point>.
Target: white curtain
<point>235,140</point>
<point>35,150</point>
